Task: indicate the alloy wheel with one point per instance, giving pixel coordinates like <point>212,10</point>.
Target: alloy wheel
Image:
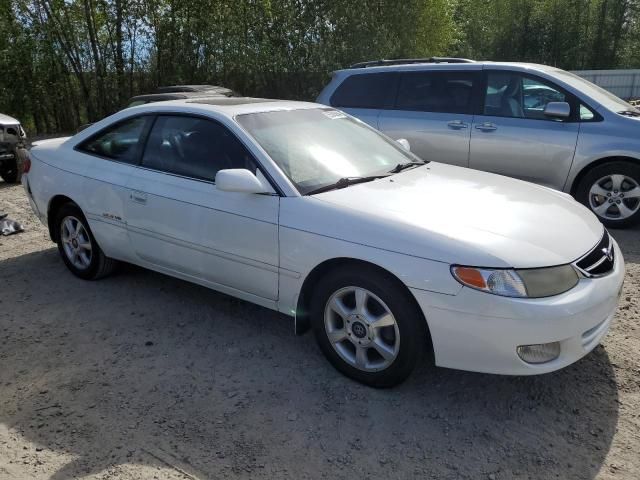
<point>361,329</point>
<point>615,197</point>
<point>76,242</point>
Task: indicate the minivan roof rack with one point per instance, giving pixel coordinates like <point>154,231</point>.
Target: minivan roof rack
<point>409,61</point>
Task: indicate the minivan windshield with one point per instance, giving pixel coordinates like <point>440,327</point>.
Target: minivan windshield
<point>599,94</point>
<point>317,147</point>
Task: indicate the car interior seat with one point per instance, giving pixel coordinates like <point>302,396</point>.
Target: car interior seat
<point>511,101</point>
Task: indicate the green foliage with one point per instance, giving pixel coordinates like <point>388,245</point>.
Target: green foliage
<point>67,62</point>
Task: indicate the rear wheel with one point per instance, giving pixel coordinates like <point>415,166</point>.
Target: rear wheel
<point>78,249</point>
<point>612,192</point>
<point>368,326</point>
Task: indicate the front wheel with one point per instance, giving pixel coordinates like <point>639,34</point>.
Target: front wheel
<point>612,192</point>
<point>368,326</point>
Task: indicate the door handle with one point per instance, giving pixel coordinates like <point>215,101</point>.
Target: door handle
<point>486,127</point>
<point>138,197</point>
<point>457,124</point>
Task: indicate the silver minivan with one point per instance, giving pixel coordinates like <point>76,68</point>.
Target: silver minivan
<point>532,122</point>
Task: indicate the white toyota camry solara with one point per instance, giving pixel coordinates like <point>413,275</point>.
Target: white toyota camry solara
<point>308,211</point>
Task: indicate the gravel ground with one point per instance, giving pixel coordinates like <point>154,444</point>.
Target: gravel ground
<point>143,376</point>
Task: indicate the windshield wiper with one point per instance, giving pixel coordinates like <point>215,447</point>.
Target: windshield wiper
<point>346,182</point>
<point>403,166</point>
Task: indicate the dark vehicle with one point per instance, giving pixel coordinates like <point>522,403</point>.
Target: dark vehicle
<point>176,92</point>
<point>12,138</point>
<point>188,88</point>
<point>181,92</point>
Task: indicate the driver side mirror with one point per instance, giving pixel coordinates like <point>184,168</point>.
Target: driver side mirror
<point>558,110</point>
<point>239,180</point>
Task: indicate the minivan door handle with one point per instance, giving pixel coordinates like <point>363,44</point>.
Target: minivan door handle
<point>457,124</point>
<point>486,127</point>
<point>138,197</point>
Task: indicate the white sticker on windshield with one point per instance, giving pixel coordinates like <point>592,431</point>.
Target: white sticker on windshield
<point>333,114</point>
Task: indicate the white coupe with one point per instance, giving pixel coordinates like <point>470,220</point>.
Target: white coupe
<point>308,211</point>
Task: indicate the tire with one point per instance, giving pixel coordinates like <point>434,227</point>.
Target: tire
<point>612,192</point>
<point>342,336</point>
<point>90,262</point>
<point>10,172</point>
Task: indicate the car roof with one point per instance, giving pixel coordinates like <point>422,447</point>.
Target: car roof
<point>227,106</point>
<point>445,66</point>
<point>7,120</point>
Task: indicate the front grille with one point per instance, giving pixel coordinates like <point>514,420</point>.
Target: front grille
<point>600,260</point>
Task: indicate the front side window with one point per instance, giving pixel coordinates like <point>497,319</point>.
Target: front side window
<point>445,92</point>
<point>316,147</point>
<point>368,90</point>
<point>120,142</point>
<point>510,94</point>
<point>194,147</point>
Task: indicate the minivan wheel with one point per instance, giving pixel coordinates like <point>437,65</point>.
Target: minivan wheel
<point>612,192</point>
<point>77,246</point>
<point>368,326</point>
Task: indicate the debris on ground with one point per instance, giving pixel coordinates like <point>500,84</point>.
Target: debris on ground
<point>8,226</point>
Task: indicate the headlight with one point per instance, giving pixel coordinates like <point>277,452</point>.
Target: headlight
<point>523,283</point>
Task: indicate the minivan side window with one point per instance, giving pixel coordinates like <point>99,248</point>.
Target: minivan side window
<point>445,92</point>
<point>194,147</point>
<point>120,142</point>
<point>364,90</point>
<point>511,94</point>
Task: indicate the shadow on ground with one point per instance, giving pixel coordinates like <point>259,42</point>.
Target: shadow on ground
<point>143,368</point>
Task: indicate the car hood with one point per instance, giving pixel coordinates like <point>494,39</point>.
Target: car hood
<point>459,215</point>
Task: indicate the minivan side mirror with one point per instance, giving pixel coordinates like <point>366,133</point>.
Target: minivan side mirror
<point>405,144</point>
<point>557,110</point>
<point>239,180</point>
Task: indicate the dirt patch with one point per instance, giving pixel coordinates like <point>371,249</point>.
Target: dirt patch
<point>144,376</point>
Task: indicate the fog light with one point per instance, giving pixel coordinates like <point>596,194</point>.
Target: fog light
<point>539,353</point>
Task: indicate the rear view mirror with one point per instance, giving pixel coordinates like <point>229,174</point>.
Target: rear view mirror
<point>405,144</point>
<point>239,180</point>
<point>557,110</point>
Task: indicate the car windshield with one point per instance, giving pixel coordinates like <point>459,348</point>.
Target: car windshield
<point>317,147</point>
<point>606,98</point>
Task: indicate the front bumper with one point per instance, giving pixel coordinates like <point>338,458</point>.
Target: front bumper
<point>480,332</point>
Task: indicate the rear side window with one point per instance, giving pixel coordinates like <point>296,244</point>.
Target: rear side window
<point>121,142</point>
<point>194,147</point>
<point>368,90</point>
<point>446,92</point>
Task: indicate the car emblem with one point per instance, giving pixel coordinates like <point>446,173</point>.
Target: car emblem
<point>608,252</point>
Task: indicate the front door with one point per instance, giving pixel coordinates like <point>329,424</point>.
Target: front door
<point>434,111</point>
<point>179,222</point>
<point>513,137</point>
